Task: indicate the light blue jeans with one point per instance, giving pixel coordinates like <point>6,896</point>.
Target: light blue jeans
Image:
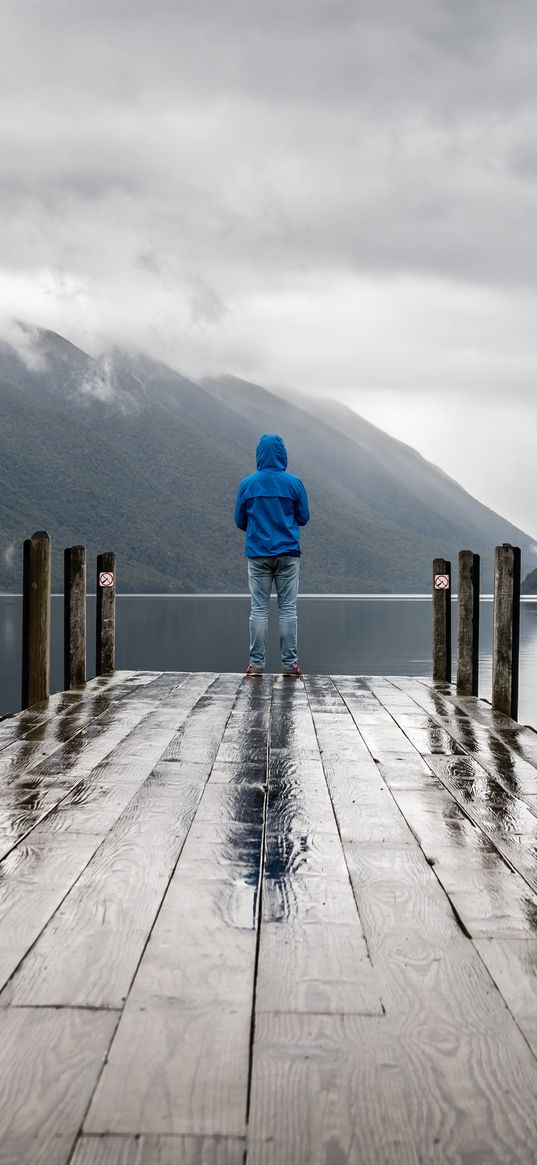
<point>284,572</point>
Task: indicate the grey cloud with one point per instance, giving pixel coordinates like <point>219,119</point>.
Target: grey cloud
<point>220,179</point>
<point>251,138</point>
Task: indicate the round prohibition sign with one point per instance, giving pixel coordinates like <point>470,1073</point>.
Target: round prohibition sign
<point>106,578</point>
<point>441,582</point>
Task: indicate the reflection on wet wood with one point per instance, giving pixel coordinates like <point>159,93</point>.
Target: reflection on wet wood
<point>301,917</point>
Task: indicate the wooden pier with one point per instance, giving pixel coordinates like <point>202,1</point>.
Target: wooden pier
<point>267,921</point>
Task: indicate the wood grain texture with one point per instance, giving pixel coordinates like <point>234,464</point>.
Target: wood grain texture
<point>34,879</point>
<point>513,966</point>
<point>175,1070</point>
<point>330,1089</point>
<point>15,727</point>
<point>202,949</point>
<point>311,967</point>
<point>180,1061</point>
<point>144,880</point>
<point>124,1150</point>
<point>458,1041</point>
<point>88,953</point>
<point>49,1064</point>
<point>505,819</point>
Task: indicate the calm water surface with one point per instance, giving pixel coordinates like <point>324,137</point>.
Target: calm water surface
<point>356,636</point>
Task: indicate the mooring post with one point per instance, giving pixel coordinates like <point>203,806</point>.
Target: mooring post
<point>441,620</point>
<point>506,638</point>
<point>36,585</point>
<point>105,626</point>
<point>74,617</point>
<point>468,624</point>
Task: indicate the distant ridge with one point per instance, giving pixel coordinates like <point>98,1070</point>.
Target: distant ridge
<point>125,453</point>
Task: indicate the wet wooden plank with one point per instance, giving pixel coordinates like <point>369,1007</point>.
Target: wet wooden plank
<point>329,1089</point>
<point>176,1071</point>
<point>179,1064</point>
<point>438,995</point>
<point>362,802</point>
<point>307,852</point>
<point>513,966</point>
<point>104,921</point>
<point>304,899</point>
<point>34,787</point>
<point>241,802</point>
<point>125,1150</point>
<point>486,894</point>
<point>88,952</point>
<point>202,950</point>
<point>494,750</point>
<point>81,718</point>
<point>18,725</point>
<point>506,820</point>
<point>407,773</point>
<point>34,879</point>
<point>310,959</point>
<point>223,844</point>
<point>316,967</point>
<point>49,1064</point>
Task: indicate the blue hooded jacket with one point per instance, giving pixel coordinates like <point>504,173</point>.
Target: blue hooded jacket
<point>271,504</point>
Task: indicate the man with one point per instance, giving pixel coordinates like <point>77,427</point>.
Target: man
<point>271,505</point>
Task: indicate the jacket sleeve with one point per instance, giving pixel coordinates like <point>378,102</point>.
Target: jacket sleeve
<point>241,513</point>
<point>302,513</point>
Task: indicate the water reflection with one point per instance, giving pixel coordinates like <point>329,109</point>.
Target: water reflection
<point>339,636</point>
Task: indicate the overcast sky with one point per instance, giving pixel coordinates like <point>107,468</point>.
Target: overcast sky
<point>334,195</point>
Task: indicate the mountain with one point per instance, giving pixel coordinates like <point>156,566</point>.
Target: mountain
<point>123,453</point>
<point>529,584</point>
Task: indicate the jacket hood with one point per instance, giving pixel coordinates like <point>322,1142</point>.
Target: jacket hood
<point>271,452</point>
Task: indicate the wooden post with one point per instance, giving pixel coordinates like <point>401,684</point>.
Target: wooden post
<point>74,617</point>
<point>105,654</point>
<point>506,639</point>
<point>468,624</point>
<point>441,621</point>
<point>36,582</point>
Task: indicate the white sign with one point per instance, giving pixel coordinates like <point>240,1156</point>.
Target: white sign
<point>106,578</point>
<point>441,582</point>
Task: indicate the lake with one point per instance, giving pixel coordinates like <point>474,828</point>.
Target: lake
<point>357,635</point>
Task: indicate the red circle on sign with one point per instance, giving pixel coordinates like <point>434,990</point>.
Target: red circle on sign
<point>106,578</point>
<point>441,582</point>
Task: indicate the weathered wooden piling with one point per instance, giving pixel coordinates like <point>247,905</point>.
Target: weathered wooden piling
<point>36,587</point>
<point>441,620</point>
<point>468,624</point>
<point>105,626</point>
<point>506,638</point>
<point>74,617</point>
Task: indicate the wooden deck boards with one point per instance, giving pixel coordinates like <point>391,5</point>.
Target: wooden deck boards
<point>267,921</point>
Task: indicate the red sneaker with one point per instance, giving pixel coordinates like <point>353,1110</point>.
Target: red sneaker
<point>294,672</point>
<point>253,671</point>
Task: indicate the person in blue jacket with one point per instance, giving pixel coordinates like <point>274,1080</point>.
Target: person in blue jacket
<point>271,505</point>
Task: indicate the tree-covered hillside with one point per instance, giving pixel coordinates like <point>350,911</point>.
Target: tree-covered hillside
<point>126,454</point>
